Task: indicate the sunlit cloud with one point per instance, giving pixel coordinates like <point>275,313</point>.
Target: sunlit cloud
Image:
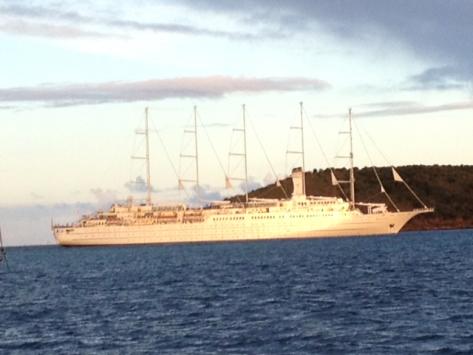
<point>156,89</point>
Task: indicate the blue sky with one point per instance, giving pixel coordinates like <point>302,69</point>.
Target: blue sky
<point>77,76</point>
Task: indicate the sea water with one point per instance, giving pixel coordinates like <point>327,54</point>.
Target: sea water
<point>412,293</point>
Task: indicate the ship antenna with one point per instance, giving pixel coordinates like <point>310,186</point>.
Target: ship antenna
<point>244,143</point>
<point>148,172</point>
<point>352,175</point>
<point>302,148</point>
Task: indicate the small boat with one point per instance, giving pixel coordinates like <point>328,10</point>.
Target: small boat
<point>3,252</point>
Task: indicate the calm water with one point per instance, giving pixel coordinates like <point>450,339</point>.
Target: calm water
<point>407,294</point>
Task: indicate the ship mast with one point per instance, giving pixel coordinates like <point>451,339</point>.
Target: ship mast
<point>194,156</point>
<point>241,155</point>
<point>145,132</point>
<point>148,171</point>
<point>352,175</point>
<point>244,152</point>
<point>197,185</point>
<point>302,147</point>
<point>301,151</point>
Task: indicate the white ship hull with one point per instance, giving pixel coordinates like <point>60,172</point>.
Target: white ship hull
<point>240,227</point>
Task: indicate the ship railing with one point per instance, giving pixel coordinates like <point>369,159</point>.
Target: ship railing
<point>424,209</point>
<point>65,225</point>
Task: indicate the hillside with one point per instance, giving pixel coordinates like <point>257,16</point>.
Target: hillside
<point>449,189</point>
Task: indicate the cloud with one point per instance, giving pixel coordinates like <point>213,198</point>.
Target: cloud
<point>31,224</point>
<point>185,29</point>
<point>35,29</point>
<point>411,108</point>
<point>8,107</point>
<point>436,30</point>
<point>104,197</point>
<point>389,104</point>
<point>138,185</point>
<point>441,78</point>
<point>205,194</point>
<point>25,23</point>
<point>155,89</point>
<point>216,125</point>
<point>36,196</point>
<point>42,12</point>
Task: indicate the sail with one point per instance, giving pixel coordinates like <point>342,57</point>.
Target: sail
<point>228,183</point>
<point>334,179</point>
<point>396,176</point>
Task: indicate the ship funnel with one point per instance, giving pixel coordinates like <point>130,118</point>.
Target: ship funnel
<point>298,182</point>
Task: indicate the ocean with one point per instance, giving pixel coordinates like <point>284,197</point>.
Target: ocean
<point>412,293</point>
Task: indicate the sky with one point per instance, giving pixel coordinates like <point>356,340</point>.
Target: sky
<point>76,78</point>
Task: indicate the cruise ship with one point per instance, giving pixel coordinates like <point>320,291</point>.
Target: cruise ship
<point>295,217</point>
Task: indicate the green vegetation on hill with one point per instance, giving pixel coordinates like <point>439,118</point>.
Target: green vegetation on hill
<point>449,189</point>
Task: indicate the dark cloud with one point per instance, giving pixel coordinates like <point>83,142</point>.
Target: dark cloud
<point>187,30</point>
<point>190,87</point>
<point>441,78</point>
<point>21,17</point>
<point>42,12</point>
<point>437,30</point>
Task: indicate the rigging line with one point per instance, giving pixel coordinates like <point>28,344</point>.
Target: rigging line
<point>267,158</point>
<point>383,190</point>
<point>340,186</point>
<point>225,173</point>
<point>323,153</point>
<point>167,153</point>
<point>376,146</point>
<point>184,146</point>
<point>211,144</point>
<point>316,139</point>
<point>138,144</point>
<point>341,128</point>
<point>233,167</point>
<point>392,166</point>
<point>414,194</point>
